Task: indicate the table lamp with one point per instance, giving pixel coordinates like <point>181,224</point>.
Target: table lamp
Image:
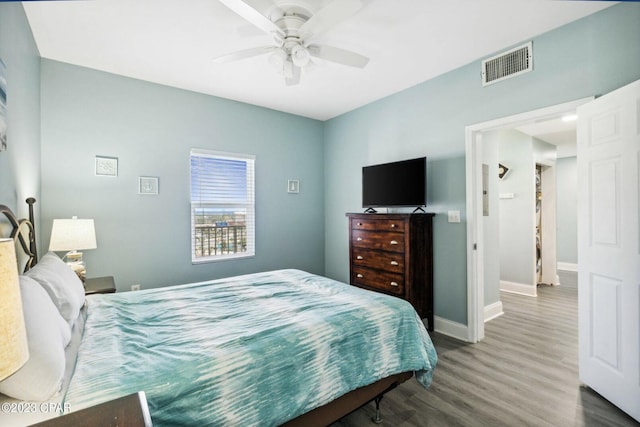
<point>73,235</point>
<point>14,351</point>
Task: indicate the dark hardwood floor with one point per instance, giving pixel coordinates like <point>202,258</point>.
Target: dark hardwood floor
<point>524,373</point>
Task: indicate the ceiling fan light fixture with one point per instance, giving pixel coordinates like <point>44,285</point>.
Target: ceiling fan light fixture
<point>277,60</point>
<point>288,69</point>
<point>300,55</point>
<point>293,25</point>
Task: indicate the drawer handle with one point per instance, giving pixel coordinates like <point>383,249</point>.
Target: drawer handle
<point>394,263</point>
<point>359,276</point>
<point>394,242</point>
<point>394,283</point>
<point>359,239</point>
<point>359,257</point>
<point>393,226</point>
<point>359,224</point>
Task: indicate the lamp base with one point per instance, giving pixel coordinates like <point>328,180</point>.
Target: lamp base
<point>74,260</point>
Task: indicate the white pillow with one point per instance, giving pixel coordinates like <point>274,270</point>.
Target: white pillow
<point>47,334</point>
<point>61,283</point>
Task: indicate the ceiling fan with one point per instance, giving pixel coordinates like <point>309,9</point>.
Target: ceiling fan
<point>293,28</point>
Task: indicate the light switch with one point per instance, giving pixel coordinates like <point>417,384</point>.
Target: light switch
<point>454,216</point>
<point>293,186</point>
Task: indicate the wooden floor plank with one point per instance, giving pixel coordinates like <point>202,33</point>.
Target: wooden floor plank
<point>524,373</point>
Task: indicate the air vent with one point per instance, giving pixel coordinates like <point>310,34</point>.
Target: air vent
<point>507,64</point>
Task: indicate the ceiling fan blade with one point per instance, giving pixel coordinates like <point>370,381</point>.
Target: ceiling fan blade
<point>243,54</point>
<point>266,8</point>
<point>294,79</point>
<point>328,16</point>
<point>253,16</point>
<point>341,56</point>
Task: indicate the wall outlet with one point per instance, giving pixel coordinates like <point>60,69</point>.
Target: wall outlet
<point>135,287</point>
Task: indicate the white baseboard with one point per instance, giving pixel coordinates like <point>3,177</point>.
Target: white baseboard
<point>518,288</point>
<point>492,311</point>
<point>450,328</point>
<point>567,266</point>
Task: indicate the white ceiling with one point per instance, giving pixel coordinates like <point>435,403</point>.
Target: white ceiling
<point>172,42</point>
<point>555,131</point>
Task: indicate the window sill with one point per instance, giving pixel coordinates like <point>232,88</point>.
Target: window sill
<point>221,258</point>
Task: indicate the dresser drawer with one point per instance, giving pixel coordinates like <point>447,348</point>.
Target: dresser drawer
<point>377,224</point>
<point>379,280</point>
<point>393,242</point>
<point>388,261</point>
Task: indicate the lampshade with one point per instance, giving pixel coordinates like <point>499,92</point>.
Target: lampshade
<point>72,235</point>
<point>14,351</point>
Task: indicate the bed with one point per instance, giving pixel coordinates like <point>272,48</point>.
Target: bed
<point>282,347</point>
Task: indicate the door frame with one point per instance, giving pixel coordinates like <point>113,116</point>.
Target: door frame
<point>549,223</point>
<point>473,172</point>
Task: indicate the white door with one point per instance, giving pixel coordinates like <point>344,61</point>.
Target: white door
<point>609,246</point>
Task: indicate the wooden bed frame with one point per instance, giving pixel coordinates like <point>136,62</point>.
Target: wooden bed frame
<point>321,416</point>
<point>347,403</point>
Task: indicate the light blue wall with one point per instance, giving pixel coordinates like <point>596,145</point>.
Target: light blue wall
<point>520,152</point>
<point>567,210</point>
<point>591,56</point>
<point>509,229</point>
<point>517,226</point>
<point>150,129</point>
<point>20,164</point>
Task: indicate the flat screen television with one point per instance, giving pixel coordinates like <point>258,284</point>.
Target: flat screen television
<point>401,183</point>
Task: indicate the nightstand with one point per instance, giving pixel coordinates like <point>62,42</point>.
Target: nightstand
<point>99,285</point>
<point>128,411</point>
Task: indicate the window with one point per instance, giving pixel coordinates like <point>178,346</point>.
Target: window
<point>222,206</point>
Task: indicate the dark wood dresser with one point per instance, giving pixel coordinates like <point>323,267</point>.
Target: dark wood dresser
<point>393,253</point>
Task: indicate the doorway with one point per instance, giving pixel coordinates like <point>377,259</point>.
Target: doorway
<point>475,235</point>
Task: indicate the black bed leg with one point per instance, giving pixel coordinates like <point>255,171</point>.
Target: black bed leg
<point>377,418</point>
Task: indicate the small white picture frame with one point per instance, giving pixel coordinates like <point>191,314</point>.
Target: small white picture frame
<point>106,166</point>
<point>148,185</point>
<point>293,186</point>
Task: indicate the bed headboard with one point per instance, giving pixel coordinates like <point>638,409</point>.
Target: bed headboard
<point>23,231</point>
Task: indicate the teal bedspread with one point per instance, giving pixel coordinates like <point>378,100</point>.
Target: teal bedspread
<point>258,349</point>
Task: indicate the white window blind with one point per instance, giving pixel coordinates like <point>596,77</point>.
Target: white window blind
<point>222,205</point>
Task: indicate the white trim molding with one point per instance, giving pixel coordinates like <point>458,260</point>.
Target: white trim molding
<point>492,311</point>
<point>567,266</point>
<point>518,288</point>
<point>450,328</point>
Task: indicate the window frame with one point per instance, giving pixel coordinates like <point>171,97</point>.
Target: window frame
<point>249,205</point>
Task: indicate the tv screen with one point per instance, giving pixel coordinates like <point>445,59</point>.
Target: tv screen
<point>401,183</point>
